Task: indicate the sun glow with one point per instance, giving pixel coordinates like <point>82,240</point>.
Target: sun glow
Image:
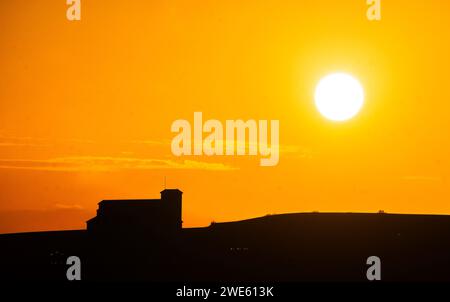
<point>339,96</point>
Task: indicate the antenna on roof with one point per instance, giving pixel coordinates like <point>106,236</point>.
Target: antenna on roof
<point>165,183</point>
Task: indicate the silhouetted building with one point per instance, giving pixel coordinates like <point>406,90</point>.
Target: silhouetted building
<point>147,216</point>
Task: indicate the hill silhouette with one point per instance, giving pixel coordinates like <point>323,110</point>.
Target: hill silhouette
<point>143,240</point>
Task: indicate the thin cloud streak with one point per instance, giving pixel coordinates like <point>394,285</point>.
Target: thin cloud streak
<point>97,163</point>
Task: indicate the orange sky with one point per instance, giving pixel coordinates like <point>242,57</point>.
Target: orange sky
<point>86,107</point>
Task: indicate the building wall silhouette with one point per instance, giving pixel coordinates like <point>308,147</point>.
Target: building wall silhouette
<point>139,216</point>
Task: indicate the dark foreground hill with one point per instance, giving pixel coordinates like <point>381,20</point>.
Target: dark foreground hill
<point>288,247</point>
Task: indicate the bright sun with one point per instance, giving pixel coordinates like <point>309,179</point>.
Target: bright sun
<point>339,96</point>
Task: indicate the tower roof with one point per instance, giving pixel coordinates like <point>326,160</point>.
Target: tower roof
<point>170,190</point>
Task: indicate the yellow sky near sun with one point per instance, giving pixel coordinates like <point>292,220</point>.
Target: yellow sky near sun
<point>86,107</point>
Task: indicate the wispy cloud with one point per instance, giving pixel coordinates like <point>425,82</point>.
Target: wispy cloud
<point>97,163</point>
<point>68,206</point>
<point>77,141</point>
<point>300,151</point>
<point>13,141</point>
<point>424,178</point>
<point>12,144</point>
<point>27,141</point>
<point>151,142</point>
<point>284,149</point>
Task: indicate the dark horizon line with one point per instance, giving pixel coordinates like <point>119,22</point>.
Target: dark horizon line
<point>383,213</point>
